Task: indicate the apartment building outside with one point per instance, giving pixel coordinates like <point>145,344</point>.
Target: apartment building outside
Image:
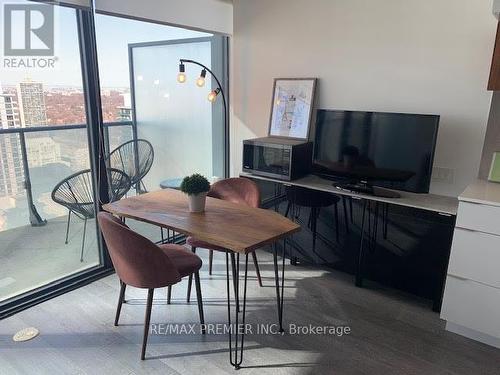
<point>11,167</point>
<point>31,103</point>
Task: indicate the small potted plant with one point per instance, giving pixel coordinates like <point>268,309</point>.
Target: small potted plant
<point>196,187</point>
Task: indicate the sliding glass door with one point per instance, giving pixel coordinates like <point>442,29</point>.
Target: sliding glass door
<point>75,89</point>
<point>138,69</point>
<point>48,233</point>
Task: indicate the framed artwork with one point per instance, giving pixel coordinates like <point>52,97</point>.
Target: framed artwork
<point>291,108</point>
<point>494,174</point>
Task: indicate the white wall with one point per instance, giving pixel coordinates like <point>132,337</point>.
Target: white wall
<point>425,56</point>
<point>205,15</point>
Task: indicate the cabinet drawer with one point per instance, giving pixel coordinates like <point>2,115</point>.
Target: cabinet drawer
<point>472,305</point>
<point>475,256</point>
<point>479,217</point>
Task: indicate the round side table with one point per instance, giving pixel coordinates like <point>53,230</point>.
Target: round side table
<point>171,183</point>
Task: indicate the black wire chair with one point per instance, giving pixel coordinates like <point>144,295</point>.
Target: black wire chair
<point>75,193</point>
<point>135,158</point>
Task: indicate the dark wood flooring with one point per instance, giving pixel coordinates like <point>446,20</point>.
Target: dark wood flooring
<point>391,332</point>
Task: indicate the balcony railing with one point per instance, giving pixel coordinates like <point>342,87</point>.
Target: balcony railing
<point>34,216</point>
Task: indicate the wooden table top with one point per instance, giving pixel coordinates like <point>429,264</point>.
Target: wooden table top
<point>229,225</point>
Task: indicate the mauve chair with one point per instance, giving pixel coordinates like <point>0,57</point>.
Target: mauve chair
<point>238,190</point>
<point>142,264</point>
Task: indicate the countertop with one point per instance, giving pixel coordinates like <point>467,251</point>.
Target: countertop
<point>430,202</point>
<point>483,192</point>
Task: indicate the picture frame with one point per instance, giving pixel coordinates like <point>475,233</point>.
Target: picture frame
<point>292,106</point>
<point>494,175</point>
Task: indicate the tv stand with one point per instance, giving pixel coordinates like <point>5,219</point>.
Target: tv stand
<point>364,188</point>
<point>437,211</point>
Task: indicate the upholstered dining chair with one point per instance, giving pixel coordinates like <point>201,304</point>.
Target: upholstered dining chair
<point>236,190</point>
<point>142,264</point>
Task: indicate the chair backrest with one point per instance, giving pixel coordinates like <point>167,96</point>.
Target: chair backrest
<point>237,190</point>
<point>75,192</point>
<point>124,158</point>
<point>119,184</point>
<point>137,261</point>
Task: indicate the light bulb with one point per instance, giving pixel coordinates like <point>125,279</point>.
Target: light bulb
<point>200,82</point>
<point>181,77</point>
<point>212,96</point>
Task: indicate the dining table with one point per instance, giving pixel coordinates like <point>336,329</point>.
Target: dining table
<point>237,228</point>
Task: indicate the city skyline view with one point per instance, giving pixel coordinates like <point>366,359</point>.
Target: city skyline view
<point>50,155</point>
<point>64,105</point>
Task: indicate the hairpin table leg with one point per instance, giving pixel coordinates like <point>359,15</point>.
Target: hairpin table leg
<point>236,331</point>
<point>279,288</point>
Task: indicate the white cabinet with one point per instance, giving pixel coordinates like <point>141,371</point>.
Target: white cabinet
<point>475,256</point>
<point>480,217</point>
<point>471,302</point>
<point>472,305</point>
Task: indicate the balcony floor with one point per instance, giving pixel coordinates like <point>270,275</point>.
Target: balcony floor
<point>34,256</point>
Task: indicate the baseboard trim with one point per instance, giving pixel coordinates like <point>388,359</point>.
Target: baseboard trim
<point>52,290</point>
<point>473,334</point>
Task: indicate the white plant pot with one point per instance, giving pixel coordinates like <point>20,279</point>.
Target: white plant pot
<point>197,202</point>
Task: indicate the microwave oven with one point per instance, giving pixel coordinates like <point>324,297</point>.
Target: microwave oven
<point>275,157</point>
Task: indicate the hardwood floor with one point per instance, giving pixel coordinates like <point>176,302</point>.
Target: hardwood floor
<point>391,333</point>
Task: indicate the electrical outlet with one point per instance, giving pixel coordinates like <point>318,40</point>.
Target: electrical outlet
<point>443,175</point>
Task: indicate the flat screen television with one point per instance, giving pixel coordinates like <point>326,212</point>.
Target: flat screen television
<point>391,150</point>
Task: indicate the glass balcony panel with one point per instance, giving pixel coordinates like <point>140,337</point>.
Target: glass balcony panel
<point>13,203</point>
<point>118,135</point>
<point>53,156</point>
<point>175,118</point>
